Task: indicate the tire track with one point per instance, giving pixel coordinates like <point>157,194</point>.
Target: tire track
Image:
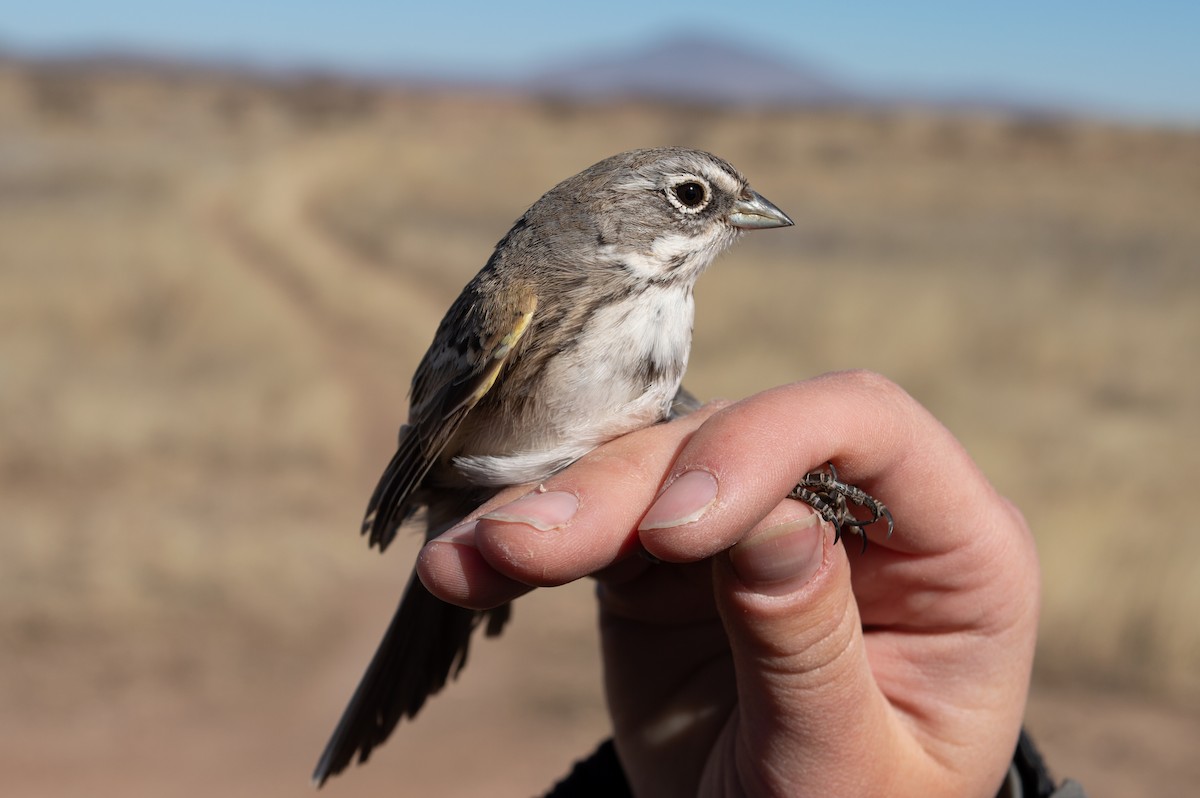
<point>367,320</point>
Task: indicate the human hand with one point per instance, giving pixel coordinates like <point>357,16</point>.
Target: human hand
<point>760,659</point>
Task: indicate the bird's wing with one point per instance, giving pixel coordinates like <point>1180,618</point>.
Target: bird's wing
<point>472,345</point>
<point>685,402</point>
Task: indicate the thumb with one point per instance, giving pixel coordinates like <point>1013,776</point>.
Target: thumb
<point>806,695</point>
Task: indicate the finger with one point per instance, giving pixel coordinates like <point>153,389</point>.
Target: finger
<point>583,520</point>
<point>739,465</point>
<point>451,567</point>
<point>578,522</point>
<point>804,684</point>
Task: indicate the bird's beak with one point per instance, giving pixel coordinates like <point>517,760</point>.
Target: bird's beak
<point>756,212</point>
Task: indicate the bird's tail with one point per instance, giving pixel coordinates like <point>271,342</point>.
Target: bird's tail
<point>425,644</point>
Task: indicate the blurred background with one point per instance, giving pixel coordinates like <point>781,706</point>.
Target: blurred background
<point>227,234</point>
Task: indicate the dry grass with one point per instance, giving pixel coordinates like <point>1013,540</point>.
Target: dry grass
<point>212,292</point>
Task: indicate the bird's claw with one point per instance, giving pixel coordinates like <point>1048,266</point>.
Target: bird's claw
<point>831,498</point>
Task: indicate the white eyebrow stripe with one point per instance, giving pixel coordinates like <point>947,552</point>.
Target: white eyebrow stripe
<point>637,183</point>
<point>725,181</point>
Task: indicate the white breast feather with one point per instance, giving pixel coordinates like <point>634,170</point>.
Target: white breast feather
<point>598,395</point>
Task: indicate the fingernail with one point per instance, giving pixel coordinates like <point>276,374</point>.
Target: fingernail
<point>790,552</point>
<point>543,511</point>
<point>463,534</point>
<point>684,501</point>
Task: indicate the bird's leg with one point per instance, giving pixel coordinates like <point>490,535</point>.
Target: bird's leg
<point>830,498</point>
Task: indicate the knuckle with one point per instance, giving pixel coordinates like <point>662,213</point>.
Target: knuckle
<point>870,382</point>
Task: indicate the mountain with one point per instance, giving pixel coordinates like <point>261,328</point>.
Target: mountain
<point>695,68</point>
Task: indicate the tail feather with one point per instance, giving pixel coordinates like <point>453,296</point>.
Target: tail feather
<point>425,644</point>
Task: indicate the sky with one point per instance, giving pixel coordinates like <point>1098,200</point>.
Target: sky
<point>1135,60</point>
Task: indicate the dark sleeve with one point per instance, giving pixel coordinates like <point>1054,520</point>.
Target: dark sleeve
<point>598,776</point>
<point>1030,778</point>
<point>601,776</point>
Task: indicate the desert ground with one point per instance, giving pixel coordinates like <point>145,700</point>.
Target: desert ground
<point>213,291</point>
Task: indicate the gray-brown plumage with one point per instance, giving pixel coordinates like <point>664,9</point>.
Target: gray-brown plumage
<point>576,331</point>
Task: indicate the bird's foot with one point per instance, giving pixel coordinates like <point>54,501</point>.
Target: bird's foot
<point>831,498</point>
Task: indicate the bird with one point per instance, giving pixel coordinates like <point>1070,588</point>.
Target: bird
<point>576,331</point>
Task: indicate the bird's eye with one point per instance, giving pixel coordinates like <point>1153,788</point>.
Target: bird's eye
<point>691,194</point>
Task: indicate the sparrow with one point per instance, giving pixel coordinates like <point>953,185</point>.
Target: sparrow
<point>576,331</point>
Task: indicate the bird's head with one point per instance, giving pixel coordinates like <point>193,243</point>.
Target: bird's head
<point>662,214</point>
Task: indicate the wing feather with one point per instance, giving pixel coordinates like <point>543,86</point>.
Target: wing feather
<point>448,384</point>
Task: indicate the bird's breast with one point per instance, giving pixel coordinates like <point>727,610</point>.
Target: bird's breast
<point>619,374</point>
<point>628,347</point>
